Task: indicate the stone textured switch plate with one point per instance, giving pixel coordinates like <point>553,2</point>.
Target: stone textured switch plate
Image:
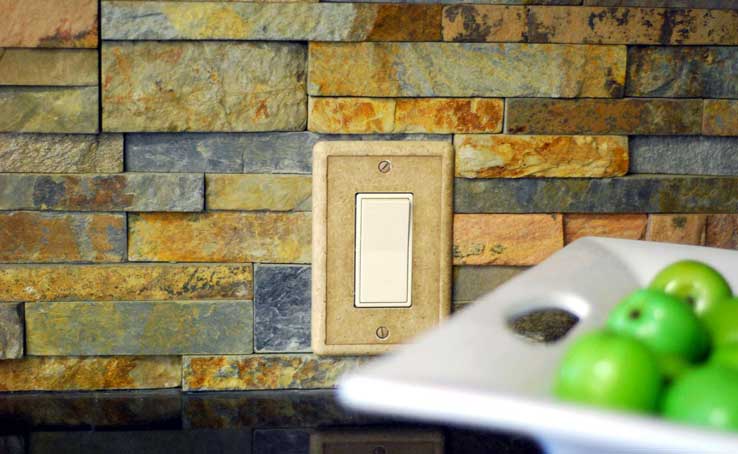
<point>341,170</point>
<point>377,441</point>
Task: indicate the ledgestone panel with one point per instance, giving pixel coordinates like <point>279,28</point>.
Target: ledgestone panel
<point>12,337</point>
<point>629,226</point>
<point>48,67</point>
<point>720,117</point>
<point>690,155</point>
<point>61,153</point>
<point>49,109</point>
<point>722,231</point>
<point>677,228</point>
<point>257,192</point>
<point>473,282</point>
<point>48,23</point>
<point>282,303</point>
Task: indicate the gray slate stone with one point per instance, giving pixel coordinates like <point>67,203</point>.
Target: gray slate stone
<point>632,194</point>
<point>282,441</point>
<point>282,302</point>
<point>11,330</point>
<point>472,282</point>
<point>687,155</point>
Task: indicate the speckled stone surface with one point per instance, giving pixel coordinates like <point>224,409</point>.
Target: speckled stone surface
<point>61,153</point>
<point>139,328</point>
<point>699,72</point>
<point>11,330</point>
<point>721,117</point>
<point>49,109</point>
<point>126,282</point>
<point>461,69</point>
<point>123,192</point>
<point>543,325</point>
<point>691,155</point>
<point>282,302</point>
<point>631,194</point>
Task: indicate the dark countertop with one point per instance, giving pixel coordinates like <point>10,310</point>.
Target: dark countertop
<point>284,422</point>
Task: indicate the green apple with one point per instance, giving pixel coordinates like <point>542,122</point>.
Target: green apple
<point>705,396</point>
<point>609,370</point>
<point>722,322</point>
<point>663,322</point>
<point>696,282</point>
<point>725,355</point>
<point>673,367</point>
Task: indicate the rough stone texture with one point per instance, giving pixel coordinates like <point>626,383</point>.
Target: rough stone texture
<point>631,194</point>
<point>629,226</point>
<point>62,237</point>
<point>257,192</point>
<point>492,23</point>
<point>55,153</point>
<point>725,4</point>
<point>48,67</point>
<point>201,86</point>
<point>139,328</point>
<point>48,109</point>
<point>351,115</point>
<point>692,155</point>
<point>256,372</point>
<point>264,21</point>
<point>90,373</point>
<point>690,72</point>
<point>129,282</point>
<point>11,330</point>
<point>543,325</point>
<point>472,282</point>
<point>459,69</point>
<point>48,23</point>
<point>221,237</point>
<point>604,116</point>
<point>121,192</point>
<point>499,155</point>
<point>720,118</point>
<point>282,302</point>
<point>722,231</point>
<point>497,2</point>
<point>677,228</point>
<point>500,239</point>
<point>284,441</point>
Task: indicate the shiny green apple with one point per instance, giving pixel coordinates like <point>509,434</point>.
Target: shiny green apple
<point>699,284</point>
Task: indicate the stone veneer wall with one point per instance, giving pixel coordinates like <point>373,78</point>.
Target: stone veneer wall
<point>155,162</point>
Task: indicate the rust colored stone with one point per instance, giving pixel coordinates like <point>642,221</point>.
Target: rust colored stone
<point>722,231</point>
<point>63,237</point>
<point>720,117</point>
<point>677,228</point>
<point>604,116</point>
<point>89,373</point>
<point>220,237</point>
<point>406,23</point>
<point>448,115</point>
<point>700,26</point>
<point>480,23</point>
<point>629,226</point>
<point>351,115</point>
<point>509,156</point>
<point>506,239</point>
<point>48,23</point>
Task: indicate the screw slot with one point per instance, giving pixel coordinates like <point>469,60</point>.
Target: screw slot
<point>384,166</point>
<point>382,332</point>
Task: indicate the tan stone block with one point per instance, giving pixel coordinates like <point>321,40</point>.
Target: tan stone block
<point>61,153</point>
<point>220,237</point>
<point>48,67</point>
<point>510,156</point>
<point>722,231</point>
<point>448,115</point>
<point>351,115</point>
<point>49,109</point>
<point>264,372</point>
<point>506,239</point>
<point>479,23</point>
<point>399,22</point>
<point>126,282</point>
<point>720,117</point>
<point>629,226</point>
<point>62,237</point>
<point>255,192</point>
<point>12,338</point>
<point>677,228</point>
<point>48,23</point>
<point>90,373</point>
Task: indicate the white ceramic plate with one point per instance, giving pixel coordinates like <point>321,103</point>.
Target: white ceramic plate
<point>473,370</point>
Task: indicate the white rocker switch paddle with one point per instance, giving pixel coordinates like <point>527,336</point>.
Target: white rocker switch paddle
<point>383,250</point>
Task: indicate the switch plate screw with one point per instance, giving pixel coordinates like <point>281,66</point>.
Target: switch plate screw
<point>382,332</point>
<point>384,166</point>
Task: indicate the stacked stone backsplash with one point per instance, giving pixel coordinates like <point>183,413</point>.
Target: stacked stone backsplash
<point>155,162</point>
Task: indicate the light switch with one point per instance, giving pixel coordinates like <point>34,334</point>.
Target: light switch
<point>383,250</point>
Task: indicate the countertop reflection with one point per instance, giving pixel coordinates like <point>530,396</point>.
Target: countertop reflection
<point>285,422</point>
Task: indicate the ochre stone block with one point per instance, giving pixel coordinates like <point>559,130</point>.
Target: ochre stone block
<point>629,226</point>
<point>264,372</point>
<point>720,117</point>
<point>604,116</point>
<point>462,69</point>
<point>506,239</point>
<point>449,115</point>
<point>510,156</point>
<point>420,22</point>
<point>48,23</point>
<point>351,115</point>
<point>220,237</point>
<point>62,237</point>
<point>90,373</point>
<point>722,231</point>
<point>479,23</point>
<point>57,153</point>
<point>48,67</point>
<point>129,282</point>
<point>49,109</point>
<point>202,86</point>
<point>11,331</point>
<point>256,192</point>
<point>677,228</point>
